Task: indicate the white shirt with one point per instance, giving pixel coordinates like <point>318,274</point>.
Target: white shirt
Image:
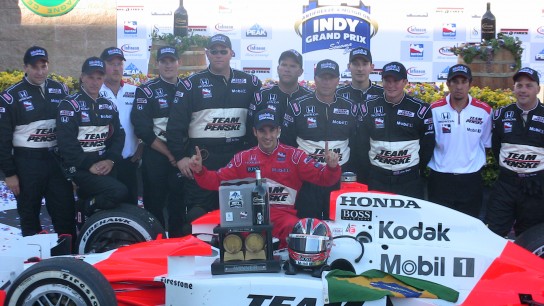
<point>123,101</point>
<point>461,138</point>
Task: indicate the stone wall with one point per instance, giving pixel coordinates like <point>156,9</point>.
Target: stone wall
<point>70,39</point>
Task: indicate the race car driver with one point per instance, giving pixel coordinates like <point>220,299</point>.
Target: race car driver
<point>315,119</point>
<point>284,167</point>
<point>90,140</point>
<point>397,136</point>
<point>27,135</point>
<point>210,111</point>
<point>162,183</point>
<point>277,97</point>
<point>518,146</point>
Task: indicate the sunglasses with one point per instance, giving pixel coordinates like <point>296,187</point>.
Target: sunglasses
<point>223,52</point>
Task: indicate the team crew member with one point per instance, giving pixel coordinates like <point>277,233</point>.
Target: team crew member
<point>360,90</point>
<point>90,140</point>
<point>462,134</point>
<point>122,95</point>
<point>27,135</point>
<point>284,167</point>
<point>518,146</point>
<point>397,136</point>
<point>210,111</point>
<point>161,179</point>
<point>312,121</point>
<point>278,96</point>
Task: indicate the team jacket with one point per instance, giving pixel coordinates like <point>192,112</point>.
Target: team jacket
<point>359,96</point>
<point>27,119</point>
<point>210,111</point>
<point>308,123</point>
<point>284,169</point>
<point>519,146</point>
<point>275,99</point>
<point>396,138</point>
<point>151,109</point>
<point>88,131</point>
<point>461,137</point>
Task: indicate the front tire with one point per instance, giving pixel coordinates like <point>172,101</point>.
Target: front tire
<point>110,229</point>
<point>61,281</point>
<point>533,240</point>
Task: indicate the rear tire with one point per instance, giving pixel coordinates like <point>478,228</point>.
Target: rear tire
<point>61,281</point>
<point>533,240</point>
<point>109,229</point>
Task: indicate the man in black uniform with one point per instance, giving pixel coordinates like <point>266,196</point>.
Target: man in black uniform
<point>360,90</point>
<point>397,136</point>
<point>518,146</point>
<point>311,121</point>
<point>90,140</point>
<point>27,135</point>
<point>278,96</point>
<point>151,108</point>
<point>210,111</point>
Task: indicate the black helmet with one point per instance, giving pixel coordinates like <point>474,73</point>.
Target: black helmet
<point>310,242</point>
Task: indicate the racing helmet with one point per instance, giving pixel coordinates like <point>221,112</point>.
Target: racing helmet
<point>309,243</point>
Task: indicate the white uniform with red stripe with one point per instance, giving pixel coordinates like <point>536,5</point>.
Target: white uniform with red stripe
<point>461,138</point>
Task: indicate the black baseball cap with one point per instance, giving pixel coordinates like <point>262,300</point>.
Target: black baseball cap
<point>531,73</point>
<point>93,64</point>
<point>167,51</point>
<point>265,117</point>
<point>459,69</point>
<point>34,54</point>
<point>219,39</point>
<point>360,52</point>
<point>327,66</point>
<point>294,54</point>
<point>395,69</point>
<point>112,52</point>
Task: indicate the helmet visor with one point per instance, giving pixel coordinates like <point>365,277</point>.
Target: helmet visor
<point>308,243</point>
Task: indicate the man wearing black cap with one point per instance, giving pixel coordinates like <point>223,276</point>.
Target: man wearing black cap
<point>361,88</point>
<point>397,136</point>
<point>315,119</point>
<point>27,136</point>
<point>518,146</point>
<point>284,167</point>
<point>278,96</point>
<point>90,140</point>
<point>150,112</point>
<point>462,133</point>
<point>210,111</point>
<point>122,95</point>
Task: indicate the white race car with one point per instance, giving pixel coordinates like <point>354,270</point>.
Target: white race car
<point>394,234</point>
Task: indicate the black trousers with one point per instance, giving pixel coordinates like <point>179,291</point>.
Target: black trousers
<point>408,184</point>
<point>127,173</point>
<point>509,205</point>
<point>313,200</point>
<point>107,191</point>
<point>163,188</point>
<point>462,192</point>
<point>40,177</point>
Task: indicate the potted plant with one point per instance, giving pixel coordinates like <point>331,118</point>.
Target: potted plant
<point>190,49</point>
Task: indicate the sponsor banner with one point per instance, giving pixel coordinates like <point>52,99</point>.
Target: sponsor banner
<point>134,48</point>
<point>135,66</point>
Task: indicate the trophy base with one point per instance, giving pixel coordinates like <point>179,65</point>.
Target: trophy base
<point>253,266</point>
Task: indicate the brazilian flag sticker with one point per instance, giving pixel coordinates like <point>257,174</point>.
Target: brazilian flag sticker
<point>345,286</point>
<point>50,8</point>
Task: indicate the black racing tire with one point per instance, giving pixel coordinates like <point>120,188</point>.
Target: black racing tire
<point>109,229</point>
<point>61,281</point>
<point>533,240</point>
